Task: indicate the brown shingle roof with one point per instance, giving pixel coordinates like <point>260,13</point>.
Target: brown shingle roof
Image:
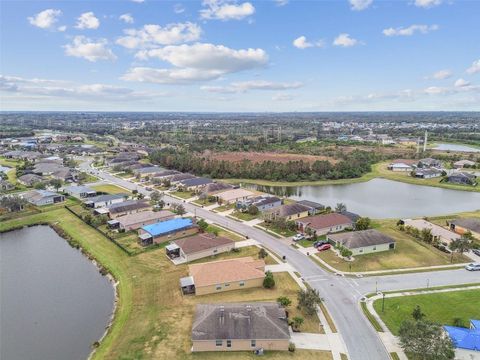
<point>289,209</point>
<point>143,216</point>
<point>224,271</point>
<point>201,242</point>
<point>325,221</point>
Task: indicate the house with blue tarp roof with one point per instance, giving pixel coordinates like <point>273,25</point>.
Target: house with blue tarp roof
<point>167,230</point>
<point>465,338</point>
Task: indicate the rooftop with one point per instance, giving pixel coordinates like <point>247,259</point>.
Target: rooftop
<point>128,206</point>
<point>234,194</point>
<point>196,181</point>
<point>311,204</point>
<point>106,197</point>
<point>196,243</point>
<point>325,221</point>
<point>168,226</point>
<point>143,216</point>
<point>358,239</point>
<point>289,209</point>
<point>472,224</point>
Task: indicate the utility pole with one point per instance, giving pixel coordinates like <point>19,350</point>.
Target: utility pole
<point>425,141</point>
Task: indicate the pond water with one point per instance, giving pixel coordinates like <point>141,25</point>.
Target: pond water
<point>380,198</point>
<point>54,304</point>
<point>455,147</point>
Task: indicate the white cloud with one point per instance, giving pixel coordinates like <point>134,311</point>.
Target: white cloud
<point>178,8</point>
<point>153,35</point>
<point>441,74</point>
<point>461,83</point>
<point>226,10</point>
<point>360,5</point>
<point>345,40</point>
<point>409,31</point>
<point>436,90</point>
<point>427,3</point>
<point>45,19</point>
<point>244,86</point>
<point>302,43</point>
<point>62,28</point>
<point>197,62</point>
<point>475,68</point>
<point>91,50</point>
<point>87,20</point>
<point>127,18</point>
<point>282,97</point>
<point>138,1</point>
<point>281,2</point>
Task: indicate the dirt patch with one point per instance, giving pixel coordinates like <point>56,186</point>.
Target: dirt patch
<point>258,157</point>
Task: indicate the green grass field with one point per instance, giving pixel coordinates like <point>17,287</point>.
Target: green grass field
<point>241,252</point>
<point>275,229</point>
<point>183,194</point>
<point>441,308</point>
<point>243,216</point>
<point>409,253</point>
<point>110,189</point>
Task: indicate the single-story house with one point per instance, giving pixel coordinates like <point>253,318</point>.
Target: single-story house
<point>105,200</point>
<point>314,206</point>
<point>199,246</point>
<point>240,327</point>
<point>234,195</point>
<point>136,220</point>
<point>429,163</point>
<point>167,230</point>
<point>288,212</point>
<point>262,203</point>
<point>325,224</point>
<point>128,207</point>
<point>147,171</point>
<point>4,169</point>
<point>399,167</point>
<point>6,186</point>
<point>352,216</point>
<point>363,242</point>
<point>214,188</point>
<point>462,178</point>
<point>29,179</point>
<point>463,225</point>
<point>428,173</point>
<point>165,174</point>
<point>465,338</point>
<point>80,192</point>
<point>227,275</point>
<point>194,183</point>
<point>463,163</point>
<point>179,177</point>
<point>439,233</point>
<point>42,197</point>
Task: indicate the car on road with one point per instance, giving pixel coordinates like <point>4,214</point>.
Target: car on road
<point>473,267</point>
<point>298,237</point>
<point>324,247</point>
<point>476,252</point>
<point>320,243</point>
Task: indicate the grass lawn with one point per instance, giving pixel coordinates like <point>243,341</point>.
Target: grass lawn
<point>224,208</point>
<point>183,194</point>
<point>242,252</point>
<point>308,243</point>
<point>124,175</point>
<point>153,320</point>
<point>88,178</point>
<point>204,202</point>
<point>441,308</point>
<point>110,189</point>
<point>409,253</point>
<point>245,216</point>
<point>222,232</point>
<point>282,232</point>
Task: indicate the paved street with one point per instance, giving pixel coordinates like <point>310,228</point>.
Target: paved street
<point>341,294</point>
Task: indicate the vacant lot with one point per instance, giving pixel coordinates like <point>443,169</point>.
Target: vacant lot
<point>110,189</point>
<point>442,308</point>
<point>258,157</point>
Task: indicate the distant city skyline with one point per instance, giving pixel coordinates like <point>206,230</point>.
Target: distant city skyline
<point>222,55</point>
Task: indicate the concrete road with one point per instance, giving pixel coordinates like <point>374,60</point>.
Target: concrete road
<point>341,295</point>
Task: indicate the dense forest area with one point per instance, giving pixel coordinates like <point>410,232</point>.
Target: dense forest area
<point>352,165</point>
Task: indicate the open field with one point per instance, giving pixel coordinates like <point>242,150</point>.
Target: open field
<point>110,189</point>
<point>153,320</point>
<point>441,308</point>
<point>240,252</point>
<point>409,253</point>
<point>259,157</point>
<point>222,232</point>
<point>183,194</point>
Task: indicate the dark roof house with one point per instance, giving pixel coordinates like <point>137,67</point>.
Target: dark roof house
<point>363,242</point>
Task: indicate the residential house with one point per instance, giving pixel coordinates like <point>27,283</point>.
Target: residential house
<point>214,188</point>
<point>29,179</point>
<point>199,246</point>
<point>463,225</point>
<point>4,169</point>
<point>179,177</point>
<point>464,164</point>
<point>262,203</point>
<point>363,242</point>
<point>6,186</point>
<point>53,170</point>
<point>438,233</point>
<point>80,192</point>
<point>136,220</point>
<point>105,200</point>
<point>128,207</point>
<point>465,338</point>
<point>166,174</point>
<point>462,178</point>
<point>194,184</point>
<point>226,275</point>
<point>325,224</point>
<point>147,171</point>
<point>42,197</point>
<point>428,173</point>
<point>289,212</point>
<point>429,163</point>
<point>240,327</point>
<point>315,207</point>
<point>400,167</point>
<point>352,216</point>
<point>167,230</point>
<point>234,195</point>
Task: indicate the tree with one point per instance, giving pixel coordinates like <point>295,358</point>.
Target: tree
<point>252,210</point>
<point>297,322</point>
<point>156,196</point>
<point>426,235</point>
<point>56,183</point>
<point>284,301</point>
<point>202,224</point>
<point>423,340</point>
<point>268,281</point>
<point>262,253</point>
<point>12,203</point>
<point>39,185</point>
<point>180,210</point>
<point>346,253</point>
<point>362,223</point>
<point>417,313</point>
<point>309,299</point>
<point>461,245</point>
<point>340,207</point>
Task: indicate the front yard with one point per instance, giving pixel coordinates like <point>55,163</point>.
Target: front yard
<point>110,189</point>
<point>277,230</point>
<point>245,216</point>
<point>442,308</point>
<point>240,252</point>
<point>183,194</point>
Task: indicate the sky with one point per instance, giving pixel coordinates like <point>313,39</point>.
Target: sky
<point>227,55</point>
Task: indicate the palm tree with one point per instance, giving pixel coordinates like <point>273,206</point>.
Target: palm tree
<point>341,207</point>
<point>461,245</point>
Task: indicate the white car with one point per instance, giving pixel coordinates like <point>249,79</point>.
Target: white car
<point>473,267</point>
<point>298,237</point>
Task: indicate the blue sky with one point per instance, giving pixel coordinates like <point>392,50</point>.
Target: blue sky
<point>222,55</point>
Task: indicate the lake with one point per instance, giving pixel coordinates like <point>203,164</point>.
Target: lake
<point>54,302</point>
<point>455,147</point>
<point>381,198</point>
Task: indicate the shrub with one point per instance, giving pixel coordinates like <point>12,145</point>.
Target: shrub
<point>291,347</point>
<point>268,281</point>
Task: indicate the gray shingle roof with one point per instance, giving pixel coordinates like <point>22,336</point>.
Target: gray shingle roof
<point>358,239</point>
<point>468,223</point>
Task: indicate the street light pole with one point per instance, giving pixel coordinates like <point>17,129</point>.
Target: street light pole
<point>383,302</point>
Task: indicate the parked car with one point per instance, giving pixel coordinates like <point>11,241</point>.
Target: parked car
<point>473,267</point>
<point>476,252</point>
<point>324,247</point>
<point>320,243</point>
<point>298,237</point>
